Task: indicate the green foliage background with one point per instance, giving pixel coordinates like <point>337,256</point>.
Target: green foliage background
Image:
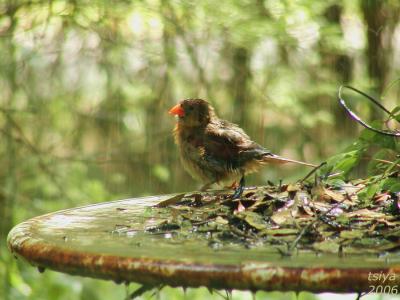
<point>85,87</point>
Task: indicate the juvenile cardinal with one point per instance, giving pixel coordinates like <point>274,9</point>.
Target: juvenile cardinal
<point>213,150</point>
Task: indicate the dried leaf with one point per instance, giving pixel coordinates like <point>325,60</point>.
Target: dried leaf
<point>382,197</point>
<point>334,195</point>
<point>293,187</point>
<point>221,220</point>
<point>284,216</point>
<point>328,208</point>
<point>365,214</point>
<point>170,201</point>
<point>254,220</point>
<point>279,231</point>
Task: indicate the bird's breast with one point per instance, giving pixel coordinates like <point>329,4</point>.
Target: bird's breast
<point>191,152</point>
<point>191,158</point>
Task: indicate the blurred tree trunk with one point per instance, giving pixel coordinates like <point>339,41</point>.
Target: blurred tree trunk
<point>374,15</point>
<point>242,76</point>
<point>241,80</point>
<point>239,85</point>
<point>341,65</point>
<point>381,18</point>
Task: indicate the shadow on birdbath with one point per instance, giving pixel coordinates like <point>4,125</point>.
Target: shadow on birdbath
<point>273,238</point>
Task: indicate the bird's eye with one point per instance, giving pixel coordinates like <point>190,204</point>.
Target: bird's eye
<point>189,108</point>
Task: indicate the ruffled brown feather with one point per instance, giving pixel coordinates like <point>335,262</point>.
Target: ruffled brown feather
<point>217,151</point>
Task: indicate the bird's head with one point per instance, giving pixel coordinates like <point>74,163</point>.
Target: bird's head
<point>193,112</point>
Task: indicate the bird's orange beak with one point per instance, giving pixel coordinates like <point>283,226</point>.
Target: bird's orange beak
<point>177,110</point>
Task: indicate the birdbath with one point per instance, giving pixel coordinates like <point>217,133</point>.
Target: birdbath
<point>114,241</point>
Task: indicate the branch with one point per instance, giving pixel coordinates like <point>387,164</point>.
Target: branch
<point>358,119</point>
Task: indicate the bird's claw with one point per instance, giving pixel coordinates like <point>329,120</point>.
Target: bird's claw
<point>238,193</point>
<point>239,190</point>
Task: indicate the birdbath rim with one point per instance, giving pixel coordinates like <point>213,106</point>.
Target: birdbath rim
<point>109,241</point>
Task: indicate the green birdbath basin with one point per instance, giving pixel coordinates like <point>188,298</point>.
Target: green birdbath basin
<point>133,240</point>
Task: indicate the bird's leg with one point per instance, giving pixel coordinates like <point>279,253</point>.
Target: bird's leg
<point>239,190</point>
<point>233,186</point>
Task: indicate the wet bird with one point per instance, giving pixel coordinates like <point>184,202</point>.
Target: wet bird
<point>213,150</point>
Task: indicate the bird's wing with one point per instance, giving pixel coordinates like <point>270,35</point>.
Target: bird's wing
<point>229,145</point>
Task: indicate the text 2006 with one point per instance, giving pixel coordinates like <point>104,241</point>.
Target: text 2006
<point>383,289</point>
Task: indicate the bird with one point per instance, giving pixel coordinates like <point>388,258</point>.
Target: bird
<point>216,151</point>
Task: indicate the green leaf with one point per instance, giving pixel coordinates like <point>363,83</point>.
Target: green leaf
<point>369,192</point>
<point>367,135</point>
<point>396,113</point>
<point>347,164</point>
<point>385,141</point>
<point>336,182</point>
<point>391,184</point>
<point>377,167</point>
<point>395,188</point>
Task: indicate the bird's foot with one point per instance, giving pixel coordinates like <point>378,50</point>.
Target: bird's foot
<point>239,190</point>
<point>233,186</point>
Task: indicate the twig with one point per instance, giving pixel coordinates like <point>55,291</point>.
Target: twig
<point>312,172</point>
<point>143,289</point>
<point>308,226</point>
<point>358,119</point>
<point>360,294</point>
<point>388,171</point>
<point>381,160</point>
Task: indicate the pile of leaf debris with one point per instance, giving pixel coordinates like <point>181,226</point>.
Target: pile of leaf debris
<point>319,217</point>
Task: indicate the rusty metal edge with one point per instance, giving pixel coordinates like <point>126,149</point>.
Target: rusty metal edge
<point>247,276</point>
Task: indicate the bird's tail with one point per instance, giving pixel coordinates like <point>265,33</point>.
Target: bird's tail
<point>275,159</point>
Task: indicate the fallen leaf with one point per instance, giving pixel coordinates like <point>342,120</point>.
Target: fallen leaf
<point>170,201</point>
<point>221,220</point>
<point>334,195</point>
<point>279,231</point>
<point>365,214</point>
<point>284,215</point>
<point>254,220</point>
<point>293,187</point>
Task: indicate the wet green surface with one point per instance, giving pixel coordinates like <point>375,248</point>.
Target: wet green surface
<point>118,228</point>
<point>123,230</point>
